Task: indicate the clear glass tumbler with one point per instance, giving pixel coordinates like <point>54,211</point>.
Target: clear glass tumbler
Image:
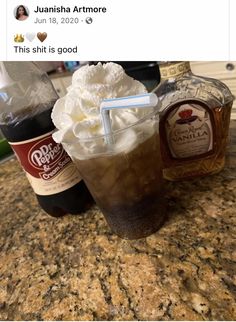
<point>125,177</point>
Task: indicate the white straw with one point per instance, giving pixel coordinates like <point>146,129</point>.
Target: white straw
<point>137,101</point>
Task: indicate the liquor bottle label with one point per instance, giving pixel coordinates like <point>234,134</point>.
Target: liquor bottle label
<point>189,131</point>
<point>48,167</point>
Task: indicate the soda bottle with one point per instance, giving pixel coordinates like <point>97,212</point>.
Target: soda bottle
<point>26,100</point>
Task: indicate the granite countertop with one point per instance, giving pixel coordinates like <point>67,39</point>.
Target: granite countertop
<point>74,268</point>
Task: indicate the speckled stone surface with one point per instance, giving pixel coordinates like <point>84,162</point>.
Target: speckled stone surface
<point>74,268</point>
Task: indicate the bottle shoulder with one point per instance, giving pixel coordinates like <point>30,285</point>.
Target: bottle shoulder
<point>192,87</point>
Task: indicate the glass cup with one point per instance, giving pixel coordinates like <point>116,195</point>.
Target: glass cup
<point>125,178</point>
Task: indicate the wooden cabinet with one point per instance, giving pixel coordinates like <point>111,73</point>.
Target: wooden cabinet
<point>224,71</point>
<point>61,84</point>
<point>67,81</point>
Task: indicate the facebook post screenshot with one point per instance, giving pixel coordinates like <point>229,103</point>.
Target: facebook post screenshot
<point>117,160</point>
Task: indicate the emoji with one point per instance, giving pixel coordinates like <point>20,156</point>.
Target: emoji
<point>19,38</point>
<point>30,36</point>
<point>42,36</point>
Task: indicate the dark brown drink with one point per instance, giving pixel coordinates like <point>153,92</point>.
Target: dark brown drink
<point>128,188</point>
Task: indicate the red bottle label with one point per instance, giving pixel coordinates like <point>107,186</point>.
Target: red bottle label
<point>47,165</point>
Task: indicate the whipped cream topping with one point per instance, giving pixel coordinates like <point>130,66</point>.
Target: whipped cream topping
<point>77,115</point>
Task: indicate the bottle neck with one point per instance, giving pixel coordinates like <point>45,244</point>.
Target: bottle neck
<point>174,70</point>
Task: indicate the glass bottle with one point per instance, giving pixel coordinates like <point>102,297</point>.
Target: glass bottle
<point>194,122</point>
